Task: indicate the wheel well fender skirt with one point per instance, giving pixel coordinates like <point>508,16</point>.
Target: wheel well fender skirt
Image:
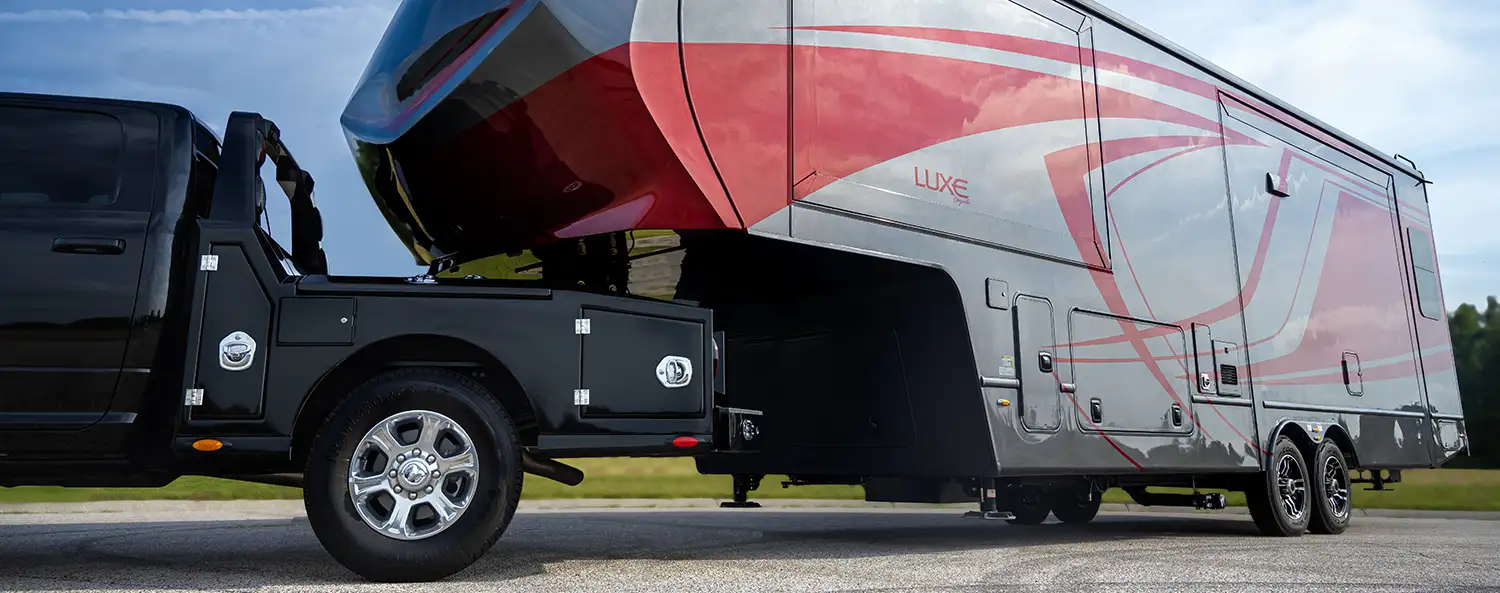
<point>413,351</point>
<point>1308,434</point>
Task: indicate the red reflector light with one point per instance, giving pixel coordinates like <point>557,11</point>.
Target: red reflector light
<point>685,442</point>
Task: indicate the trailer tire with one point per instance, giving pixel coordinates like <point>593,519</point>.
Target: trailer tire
<point>1332,505</point>
<point>1072,507</point>
<point>1028,505</point>
<point>1280,502</point>
<point>471,468</point>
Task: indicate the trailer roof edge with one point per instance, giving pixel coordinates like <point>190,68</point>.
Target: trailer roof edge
<point>1162,43</point>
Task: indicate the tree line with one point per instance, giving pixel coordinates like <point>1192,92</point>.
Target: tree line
<point>1476,352</point>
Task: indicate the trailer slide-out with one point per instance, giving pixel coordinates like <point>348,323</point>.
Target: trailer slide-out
<point>1010,252</point>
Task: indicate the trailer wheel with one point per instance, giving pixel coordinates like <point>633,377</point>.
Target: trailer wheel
<point>1332,505</point>
<point>413,476</point>
<point>1076,507</point>
<point>1281,502</point>
<point>1029,507</point>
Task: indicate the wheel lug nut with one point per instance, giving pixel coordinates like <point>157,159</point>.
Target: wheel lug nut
<point>417,453</point>
<point>431,458</point>
<point>429,489</point>
<point>413,496</point>
<point>398,489</point>
<point>401,457</point>
<point>393,473</point>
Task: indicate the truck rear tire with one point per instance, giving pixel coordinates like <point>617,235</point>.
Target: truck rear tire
<point>1332,505</point>
<point>1281,501</point>
<point>413,476</point>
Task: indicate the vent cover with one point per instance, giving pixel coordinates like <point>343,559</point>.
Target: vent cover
<point>1229,374</point>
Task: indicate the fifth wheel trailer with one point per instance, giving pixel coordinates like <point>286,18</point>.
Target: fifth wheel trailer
<point>1012,252</point>
<point>959,249</point>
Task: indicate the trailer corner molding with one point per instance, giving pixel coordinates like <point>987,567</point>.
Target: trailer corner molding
<point>674,372</point>
<point>236,351</point>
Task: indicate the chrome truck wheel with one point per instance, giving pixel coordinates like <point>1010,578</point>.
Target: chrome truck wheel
<point>1332,505</point>
<point>413,476</point>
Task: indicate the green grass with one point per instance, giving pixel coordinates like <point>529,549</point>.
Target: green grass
<point>1445,489</point>
<point>185,488</point>
<point>1432,490</point>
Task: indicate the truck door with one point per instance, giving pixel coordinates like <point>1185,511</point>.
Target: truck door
<point>75,201</point>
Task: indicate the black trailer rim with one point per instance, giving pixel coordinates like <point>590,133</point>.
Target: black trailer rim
<point>1336,486</point>
<point>1291,485</point>
<point>413,475</point>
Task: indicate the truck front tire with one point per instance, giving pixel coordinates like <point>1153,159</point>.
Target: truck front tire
<point>413,476</point>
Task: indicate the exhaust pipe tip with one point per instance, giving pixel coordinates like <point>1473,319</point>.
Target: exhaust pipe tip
<point>551,469</point>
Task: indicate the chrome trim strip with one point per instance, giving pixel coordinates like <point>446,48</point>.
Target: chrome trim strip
<point>999,382</point>
<point>1223,401</point>
<point>1457,417</point>
<point>1340,409</point>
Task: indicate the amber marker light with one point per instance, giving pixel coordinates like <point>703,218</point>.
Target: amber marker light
<point>207,445</point>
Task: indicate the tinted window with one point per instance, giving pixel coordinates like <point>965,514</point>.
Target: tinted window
<point>1424,269</point>
<point>59,158</point>
<point>205,171</point>
<point>423,38</point>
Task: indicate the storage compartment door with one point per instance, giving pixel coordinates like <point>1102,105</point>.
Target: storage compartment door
<point>1036,354</point>
<point>234,340</point>
<point>640,366</point>
<point>1131,385</point>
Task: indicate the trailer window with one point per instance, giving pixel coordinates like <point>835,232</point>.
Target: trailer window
<point>1424,271</point>
<point>50,157</point>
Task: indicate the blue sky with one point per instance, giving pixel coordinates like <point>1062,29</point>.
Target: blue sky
<point>1406,76</point>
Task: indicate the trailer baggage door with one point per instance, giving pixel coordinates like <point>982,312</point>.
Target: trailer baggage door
<point>1036,355</point>
<point>1136,386</point>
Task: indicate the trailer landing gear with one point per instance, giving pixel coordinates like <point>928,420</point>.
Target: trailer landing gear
<point>743,484</point>
<point>988,506</point>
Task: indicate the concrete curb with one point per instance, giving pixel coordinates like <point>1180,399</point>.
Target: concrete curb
<point>294,507</point>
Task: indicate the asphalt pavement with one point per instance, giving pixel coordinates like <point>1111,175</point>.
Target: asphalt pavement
<point>269,547</point>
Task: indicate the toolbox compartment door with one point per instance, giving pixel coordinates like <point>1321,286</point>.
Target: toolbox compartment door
<point>644,366</point>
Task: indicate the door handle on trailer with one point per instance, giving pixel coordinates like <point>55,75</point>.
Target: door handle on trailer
<point>1068,387</point>
<point>88,245</point>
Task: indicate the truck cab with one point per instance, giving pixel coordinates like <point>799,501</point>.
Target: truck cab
<point>94,195</point>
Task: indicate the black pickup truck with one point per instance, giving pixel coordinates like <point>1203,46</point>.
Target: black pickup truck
<point>150,327</point>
